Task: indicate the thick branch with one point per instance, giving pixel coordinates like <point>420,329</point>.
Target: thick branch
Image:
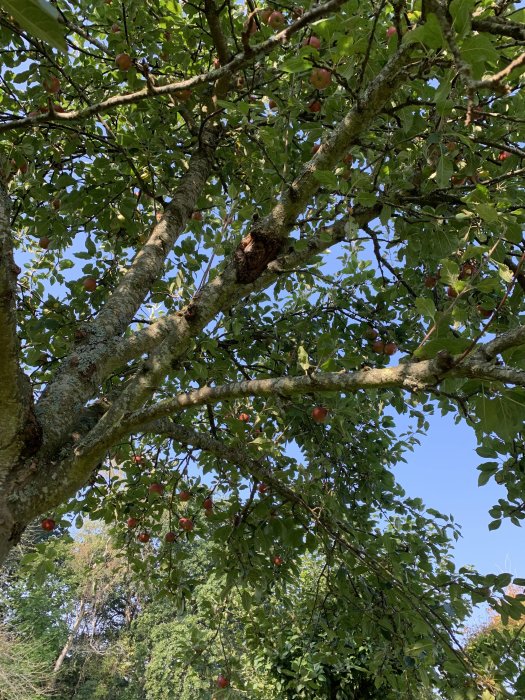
<point>13,391</point>
<point>80,374</point>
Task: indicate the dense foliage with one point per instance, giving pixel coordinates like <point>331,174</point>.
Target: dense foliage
<point>235,242</point>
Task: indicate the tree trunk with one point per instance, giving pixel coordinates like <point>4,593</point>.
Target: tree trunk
<point>71,638</point>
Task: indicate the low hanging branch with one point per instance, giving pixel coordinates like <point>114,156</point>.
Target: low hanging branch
<point>412,376</point>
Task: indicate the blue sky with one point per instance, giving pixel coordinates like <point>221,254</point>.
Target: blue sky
<point>442,471</point>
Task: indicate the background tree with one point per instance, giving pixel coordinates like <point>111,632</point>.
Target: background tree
<point>226,221</point>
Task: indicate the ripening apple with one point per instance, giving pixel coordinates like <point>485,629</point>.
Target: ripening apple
<point>315,148</point>
<point>44,242</point>
<point>484,313</point>
<point>262,488</point>
<point>503,156</point>
<point>430,281</point>
<point>123,61</point>
<point>378,346</point>
<point>156,488</point>
<point>132,522</point>
<point>371,334</point>
<point>265,15</point>
<point>458,181</point>
<point>390,32</point>
<point>276,20</point>
<point>390,348</point>
<point>186,524</point>
<point>272,104</point>
<point>56,204</point>
<point>320,78</point>
<point>48,524</point>
<point>222,681</point>
<point>207,504</point>
<point>451,293</point>
<point>52,85</point>
<point>137,459</point>
<point>314,106</point>
<point>319,414</point>
<point>115,28</point>
<point>170,537</point>
<point>90,284</point>
<point>277,560</point>
<point>244,417</point>
<point>197,216</point>
<point>184,496</point>
<point>348,159</point>
<point>143,537</point>
<point>312,41</point>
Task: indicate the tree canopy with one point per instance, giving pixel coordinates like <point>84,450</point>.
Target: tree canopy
<point>236,242</point>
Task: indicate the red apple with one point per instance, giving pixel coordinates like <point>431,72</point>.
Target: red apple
<point>207,504</point>
<point>484,313</point>
<point>123,61</point>
<point>314,106</point>
<point>197,216</point>
<point>276,20</point>
<point>170,537</point>
<point>391,31</point>
<point>458,181</point>
<point>319,414</point>
<point>52,85</point>
<point>115,28</point>
<point>137,459</point>
<point>430,281</point>
<point>265,15</point>
<point>90,284</point>
<point>143,537</point>
<point>216,63</point>
<point>272,104</point>
<point>184,496</point>
<point>222,681</point>
<point>371,334</point>
<point>262,487</point>
<point>320,78</point>
<point>48,524</point>
<point>156,488</point>
<point>44,242</point>
<point>186,524</point>
<point>132,522</point>
<point>277,560</point>
<point>451,293</point>
<point>312,41</point>
<point>378,346</point>
<point>467,270</point>
<point>244,417</point>
<point>56,204</point>
<point>503,156</point>
<point>390,348</point>
<point>315,148</point>
<point>297,12</point>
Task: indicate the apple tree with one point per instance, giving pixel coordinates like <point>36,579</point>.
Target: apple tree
<point>235,242</point>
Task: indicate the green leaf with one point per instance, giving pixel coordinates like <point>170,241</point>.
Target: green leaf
<point>295,64</point>
<point>428,34</point>
<point>495,524</point>
<point>444,171</point>
<point>302,358</point>
<point>426,307</point>
<point>38,18</point>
